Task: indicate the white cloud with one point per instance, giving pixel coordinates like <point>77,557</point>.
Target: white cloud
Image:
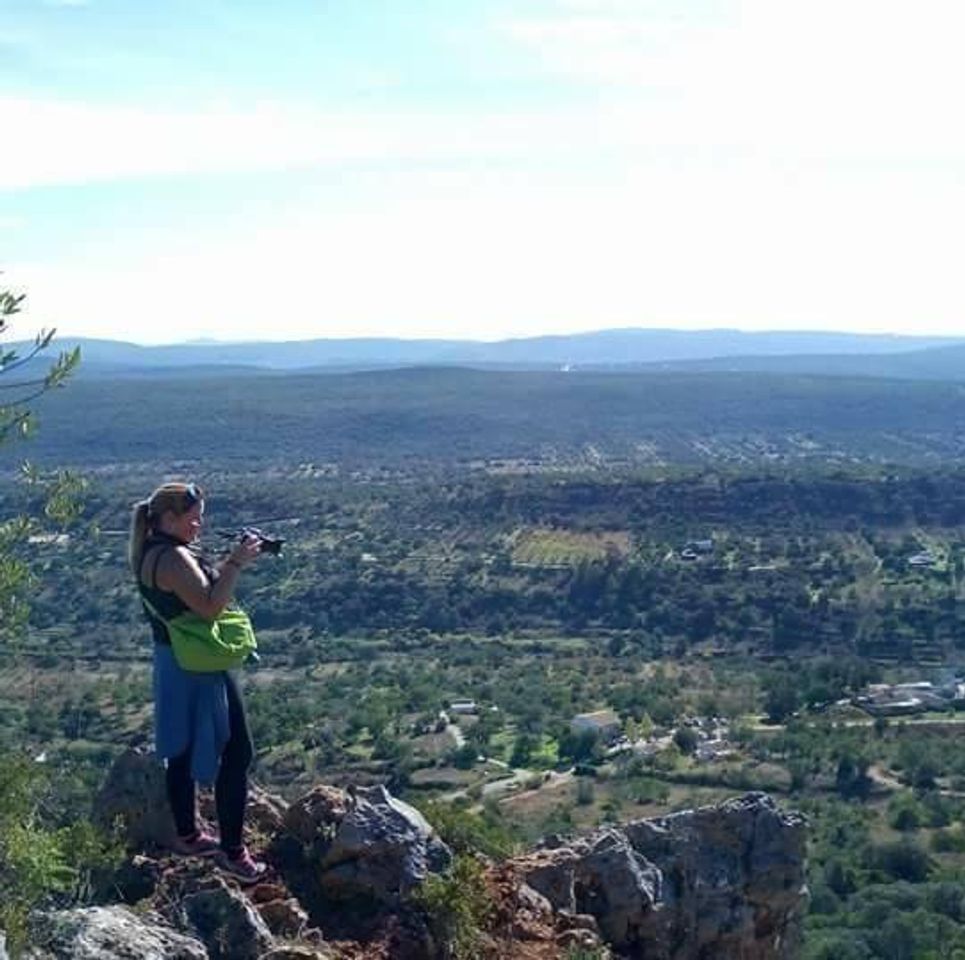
<point>63,142</point>
<point>790,83</point>
<point>822,78</point>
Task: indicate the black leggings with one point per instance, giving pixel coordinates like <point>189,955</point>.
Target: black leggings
<point>231,787</point>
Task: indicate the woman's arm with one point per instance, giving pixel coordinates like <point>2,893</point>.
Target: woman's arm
<point>179,572</point>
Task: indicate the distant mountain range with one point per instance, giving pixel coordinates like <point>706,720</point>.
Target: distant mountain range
<point>844,354</point>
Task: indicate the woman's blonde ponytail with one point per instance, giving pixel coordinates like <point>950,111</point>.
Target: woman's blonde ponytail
<point>139,527</point>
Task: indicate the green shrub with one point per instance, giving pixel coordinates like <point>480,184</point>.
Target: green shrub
<point>457,907</point>
<point>468,832</point>
<point>40,863</point>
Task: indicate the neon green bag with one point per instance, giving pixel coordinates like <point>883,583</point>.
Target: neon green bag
<point>207,646</point>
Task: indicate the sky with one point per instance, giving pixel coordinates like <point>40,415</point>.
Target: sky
<point>174,170</point>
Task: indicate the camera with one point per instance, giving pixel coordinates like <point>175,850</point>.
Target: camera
<point>266,543</point>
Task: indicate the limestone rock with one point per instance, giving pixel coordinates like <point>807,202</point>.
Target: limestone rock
<point>552,873</point>
<point>617,886</point>
<point>317,814</point>
<point>725,881</point>
<point>264,812</point>
<point>284,916</point>
<point>365,843</point>
<point>227,922</point>
<point>109,933</point>
<point>734,876</point>
<point>602,876</point>
<point>296,952</point>
<point>134,794</point>
<point>382,848</point>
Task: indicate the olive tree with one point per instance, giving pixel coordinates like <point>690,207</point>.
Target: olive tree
<point>24,378</point>
<point>39,862</point>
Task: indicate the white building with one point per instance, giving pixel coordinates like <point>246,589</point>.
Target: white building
<point>465,707</point>
<point>604,723</point>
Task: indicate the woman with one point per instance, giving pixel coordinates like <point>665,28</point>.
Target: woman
<point>200,727</point>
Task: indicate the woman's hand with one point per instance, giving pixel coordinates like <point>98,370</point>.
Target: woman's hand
<point>245,551</point>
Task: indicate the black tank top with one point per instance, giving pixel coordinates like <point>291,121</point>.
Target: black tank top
<point>167,603</point>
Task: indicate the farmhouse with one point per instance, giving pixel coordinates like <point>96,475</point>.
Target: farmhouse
<point>902,699</point>
<point>466,707</point>
<point>700,546</point>
<point>693,549</point>
<point>604,723</point>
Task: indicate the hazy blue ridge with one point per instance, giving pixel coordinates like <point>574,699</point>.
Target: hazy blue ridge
<point>854,353</point>
<point>935,363</point>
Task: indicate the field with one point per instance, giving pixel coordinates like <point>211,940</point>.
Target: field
<point>557,548</point>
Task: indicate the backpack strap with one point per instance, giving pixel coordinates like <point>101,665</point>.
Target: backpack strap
<point>151,609</point>
<point>148,606</point>
<point>158,549</point>
<point>157,560</point>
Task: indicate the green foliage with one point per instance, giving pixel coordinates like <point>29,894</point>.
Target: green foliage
<point>685,739</point>
<point>470,833</point>
<point>40,862</point>
<point>16,418</point>
<point>57,491</point>
<point>446,416</point>
<point>783,697</point>
<point>458,907</point>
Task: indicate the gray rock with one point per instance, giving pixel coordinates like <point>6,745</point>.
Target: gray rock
<point>227,922</point>
<point>552,874</point>
<point>617,886</point>
<point>284,917</point>
<point>296,952</point>
<point>314,817</point>
<point>3,946</point>
<point>602,876</point>
<point>109,933</point>
<point>382,848</point>
<point>134,795</point>
<point>734,878</point>
<point>725,881</point>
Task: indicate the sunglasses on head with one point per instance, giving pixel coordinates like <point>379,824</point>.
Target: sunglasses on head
<point>192,495</point>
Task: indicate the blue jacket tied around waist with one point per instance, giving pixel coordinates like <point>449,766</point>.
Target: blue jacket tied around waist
<point>190,711</point>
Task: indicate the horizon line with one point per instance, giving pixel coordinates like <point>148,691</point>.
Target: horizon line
<point>205,342</point>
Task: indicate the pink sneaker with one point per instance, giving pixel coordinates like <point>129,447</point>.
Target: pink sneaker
<point>202,844</point>
<point>243,867</point>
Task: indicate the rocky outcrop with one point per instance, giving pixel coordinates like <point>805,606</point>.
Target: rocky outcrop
<point>134,798</point>
<point>365,841</point>
<point>382,848</point>
<point>723,882</point>
<point>228,923</point>
<point>109,933</point>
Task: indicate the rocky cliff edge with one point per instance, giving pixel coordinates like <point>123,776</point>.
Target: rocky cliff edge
<point>723,882</point>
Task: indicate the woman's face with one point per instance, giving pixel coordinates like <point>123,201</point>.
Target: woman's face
<point>186,526</point>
